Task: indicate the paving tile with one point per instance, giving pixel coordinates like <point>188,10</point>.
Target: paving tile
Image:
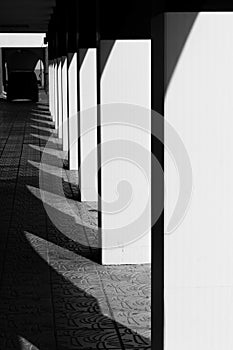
<point>53,293</point>
<point>125,303</point>
<point>66,265</point>
<point>137,276</point>
<point>26,305</point>
<point>81,303</point>
<point>80,277</point>
<point>88,339</point>
<point>132,318</point>
<point>92,320</point>
<point>135,340</point>
<point>122,288</point>
<point>69,290</point>
<point>81,264</point>
<point>30,341</point>
<point>31,322</point>
<point>29,291</point>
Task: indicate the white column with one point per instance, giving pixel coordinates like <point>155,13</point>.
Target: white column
<point>64,103</point>
<point>51,87</point>
<point>60,117</point>
<point>56,93</point>
<point>126,78</point>
<point>88,126</point>
<point>73,110</point>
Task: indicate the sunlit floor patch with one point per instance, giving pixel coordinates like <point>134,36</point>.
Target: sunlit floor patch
<point>25,344</point>
<point>128,306</point>
<point>50,151</point>
<point>53,292</point>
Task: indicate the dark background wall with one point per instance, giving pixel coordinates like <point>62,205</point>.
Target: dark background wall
<point>23,58</point>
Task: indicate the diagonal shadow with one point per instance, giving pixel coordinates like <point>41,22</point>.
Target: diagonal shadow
<point>106,49</point>
<point>178,28</point>
<point>52,296</point>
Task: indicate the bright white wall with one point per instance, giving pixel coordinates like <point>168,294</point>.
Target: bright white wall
<point>88,126</point>
<point>199,254</point>
<point>126,79</point>
<point>1,73</point>
<point>22,40</point>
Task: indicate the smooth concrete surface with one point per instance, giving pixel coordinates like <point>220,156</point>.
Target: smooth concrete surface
<point>53,90</point>
<point>60,94</point>
<point>125,79</point>
<point>56,94</point>
<point>73,110</point>
<point>51,87</point>
<point>65,104</point>
<point>198,255</point>
<point>88,127</point>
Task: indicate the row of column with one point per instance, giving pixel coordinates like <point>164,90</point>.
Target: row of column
<point>100,101</point>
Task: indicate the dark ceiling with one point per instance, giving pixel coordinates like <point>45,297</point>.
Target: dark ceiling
<point>25,15</point>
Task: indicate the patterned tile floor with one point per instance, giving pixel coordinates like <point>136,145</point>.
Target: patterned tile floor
<point>53,292</point>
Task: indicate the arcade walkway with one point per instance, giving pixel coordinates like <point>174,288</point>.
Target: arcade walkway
<point>53,293</point>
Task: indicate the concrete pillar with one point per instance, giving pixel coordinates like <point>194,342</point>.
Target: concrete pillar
<point>125,78</point>
<point>60,117</point>
<point>88,124</point>
<point>51,87</point>
<point>65,104</point>
<point>157,196</point>
<point>73,110</point>
<point>56,93</point>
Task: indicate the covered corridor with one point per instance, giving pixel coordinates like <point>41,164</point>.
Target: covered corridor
<point>80,212</point>
<point>54,295</point>
<point>132,91</point>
